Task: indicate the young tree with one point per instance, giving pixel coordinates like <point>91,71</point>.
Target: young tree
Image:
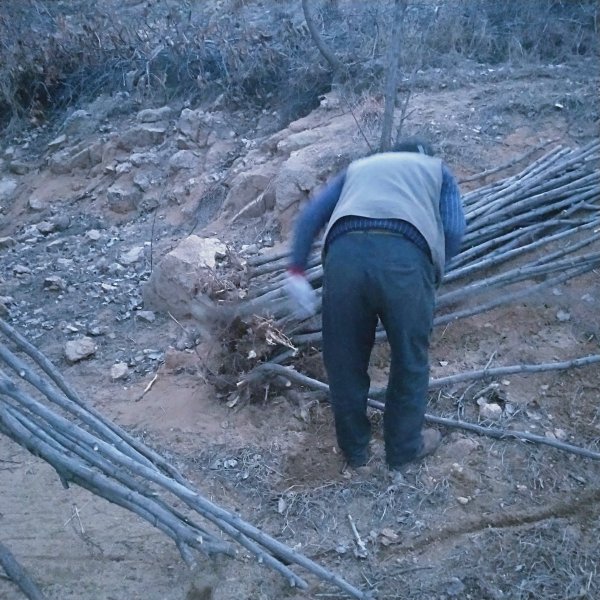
<point>392,75</point>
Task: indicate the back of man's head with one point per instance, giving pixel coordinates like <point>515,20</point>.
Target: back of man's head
<point>414,144</point>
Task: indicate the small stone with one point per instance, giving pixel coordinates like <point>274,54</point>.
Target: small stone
<point>560,434</point>
<point>462,500</point>
<point>491,411</point>
<point>146,315</point>
<point>563,315</point>
<point>76,350</point>
<point>37,203</point>
<point>58,141</point>
<point>46,227</point>
<point>61,222</point>
<point>132,256</point>
<point>115,269</point>
<point>54,283</point>
<point>6,242</point>
<point>18,167</point>
<point>119,371</point>
<point>21,270</point>
<point>93,235</point>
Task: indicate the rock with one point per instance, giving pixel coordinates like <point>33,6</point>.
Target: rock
<point>153,115</point>
<point>184,159</point>
<point>298,140</point>
<point>7,189</point>
<point>142,137</point>
<point>563,316</point>
<point>248,186</point>
<point>182,275</point>
<point>76,350</point>
<point>115,269</point>
<point>491,411</point>
<point>132,256</point>
<point>140,159</point>
<point>461,447</point>
<point>21,270</point>
<point>61,222</point>
<point>57,142</point>
<point>81,156</point>
<point>293,183</point>
<point>146,315</point>
<point>78,122</point>
<point>122,200</point>
<point>54,283</point>
<point>142,181</point>
<point>119,371</point>
<point>46,227</point>
<point>37,204</point>
<point>123,168</point>
<point>93,235</point>
<point>192,123</point>
<point>18,167</point>
<point>6,242</point>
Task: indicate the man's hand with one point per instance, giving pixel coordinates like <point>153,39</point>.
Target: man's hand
<point>302,296</point>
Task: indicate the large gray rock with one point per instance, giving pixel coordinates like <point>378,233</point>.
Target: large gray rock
<point>123,199</point>
<point>203,128</point>
<point>142,136</point>
<point>184,159</point>
<point>77,157</point>
<point>194,125</point>
<point>154,115</point>
<point>183,275</point>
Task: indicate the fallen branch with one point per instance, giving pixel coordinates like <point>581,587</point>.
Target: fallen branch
<point>97,456</point>
<point>16,572</point>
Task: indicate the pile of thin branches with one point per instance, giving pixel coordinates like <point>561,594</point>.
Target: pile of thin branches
<point>42,413</point>
<point>541,225</point>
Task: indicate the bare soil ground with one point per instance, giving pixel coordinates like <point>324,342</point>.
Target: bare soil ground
<point>481,519</point>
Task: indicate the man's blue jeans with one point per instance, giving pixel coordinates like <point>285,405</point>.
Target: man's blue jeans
<point>370,275</point>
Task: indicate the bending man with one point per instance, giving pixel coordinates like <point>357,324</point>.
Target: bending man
<point>393,220</point>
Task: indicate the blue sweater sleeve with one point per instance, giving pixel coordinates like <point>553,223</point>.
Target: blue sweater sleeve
<point>312,219</point>
<point>451,212</point>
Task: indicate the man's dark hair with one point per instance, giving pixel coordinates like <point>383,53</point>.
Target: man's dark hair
<point>414,144</point>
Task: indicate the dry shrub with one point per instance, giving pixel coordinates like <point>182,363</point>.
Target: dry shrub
<point>256,55</point>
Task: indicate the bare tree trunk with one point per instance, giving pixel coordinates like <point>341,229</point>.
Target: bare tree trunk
<point>392,76</point>
<point>330,57</point>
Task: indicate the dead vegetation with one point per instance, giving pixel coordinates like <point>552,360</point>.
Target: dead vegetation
<point>56,56</point>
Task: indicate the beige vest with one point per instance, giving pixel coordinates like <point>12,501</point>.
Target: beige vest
<point>397,185</point>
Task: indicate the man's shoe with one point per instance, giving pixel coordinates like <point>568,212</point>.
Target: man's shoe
<point>356,472</point>
<point>432,438</point>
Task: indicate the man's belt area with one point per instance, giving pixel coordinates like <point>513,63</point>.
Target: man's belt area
<point>360,225</point>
